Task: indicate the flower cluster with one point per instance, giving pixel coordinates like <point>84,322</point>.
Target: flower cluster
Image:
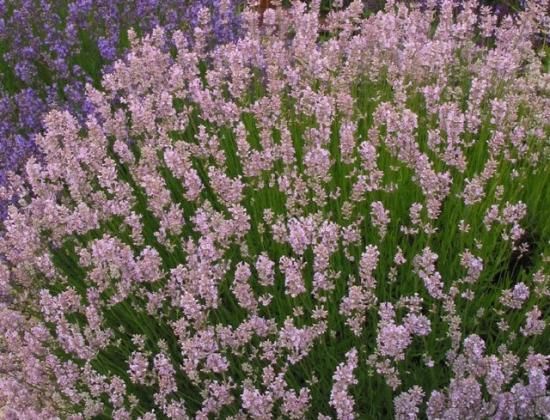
<point>297,223</point>
<point>49,50</point>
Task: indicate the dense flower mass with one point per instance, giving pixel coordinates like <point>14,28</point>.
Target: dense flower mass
<point>346,221</point>
<point>50,49</point>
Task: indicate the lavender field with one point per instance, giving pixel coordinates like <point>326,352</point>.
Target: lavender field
<point>220,209</point>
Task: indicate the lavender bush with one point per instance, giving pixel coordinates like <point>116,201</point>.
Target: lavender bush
<point>50,49</point>
<point>289,227</point>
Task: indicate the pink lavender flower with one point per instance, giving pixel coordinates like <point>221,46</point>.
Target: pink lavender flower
<point>380,218</point>
<point>424,265</point>
<point>516,297</point>
<point>258,405</point>
<point>407,403</point>
<point>343,378</point>
<point>533,324</point>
